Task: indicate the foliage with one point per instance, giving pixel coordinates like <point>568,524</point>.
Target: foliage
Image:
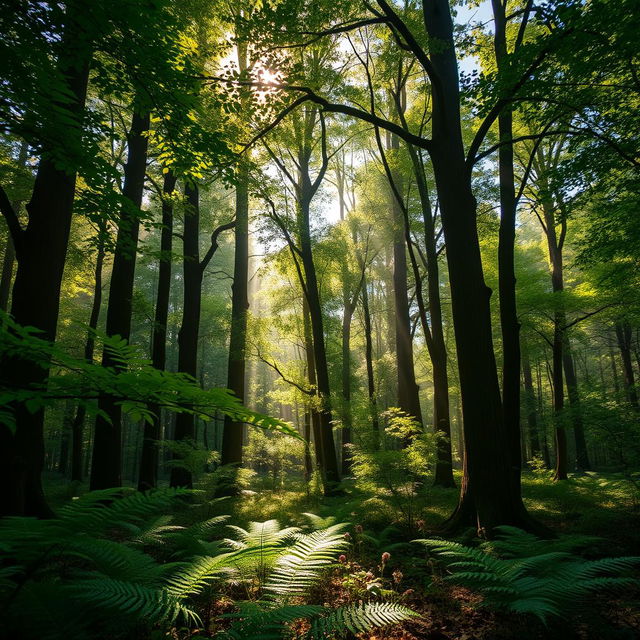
<point>98,564</point>
<point>397,474</point>
<point>536,577</point>
<point>135,383</point>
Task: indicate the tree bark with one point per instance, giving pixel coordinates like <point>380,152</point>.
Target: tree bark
<point>40,252</point>
<point>488,495</point>
<point>190,327</point>
<point>77,428</point>
<point>530,405</point>
<point>106,465</point>
<point>233,432</point>
<point>148,477</point>
<point>624,334</point>
<point>582,457</point>
<point>509,324</point>
<point>408,396</point>
<point>368,354</point>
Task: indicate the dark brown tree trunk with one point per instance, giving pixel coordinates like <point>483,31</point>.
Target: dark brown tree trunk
<point>77,428</point>
<point>106,461</point>
<point>148,477</point>
<point>509,324</point>
<point>40,252</point>
<point>488,495</point>
<point>233,431</point>
<point>368,354</point>
<point>190,327</point>
<point>624,334</point>
<point>9,258</point>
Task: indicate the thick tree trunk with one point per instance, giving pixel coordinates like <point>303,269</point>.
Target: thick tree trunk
<point>77,428</point>
<point>148,477</point>
<point>233,432</point>
<point>623,334</point>
<point>488,494</point>
<point>106,461</point>
<point>190,327</point>
<point>509,324</point>
<point>41,251</point>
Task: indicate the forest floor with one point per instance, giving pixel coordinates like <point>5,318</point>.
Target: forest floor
<point>602,505</point>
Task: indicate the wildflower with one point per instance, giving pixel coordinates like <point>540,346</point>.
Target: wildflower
<point>347,536</point>
<point>397,576</point>
<point>386,556</point>
<point>342,559</point>
<point>420,524</point>
<point>359,528</point>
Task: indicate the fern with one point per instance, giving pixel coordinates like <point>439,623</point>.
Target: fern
<point>546,585</point>
<point>359,618</point>
<point>300,568</point>
<point>130,599</point>
<point>260,534</point>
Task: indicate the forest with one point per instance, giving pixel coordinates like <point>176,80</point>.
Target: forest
<point>319,319</point>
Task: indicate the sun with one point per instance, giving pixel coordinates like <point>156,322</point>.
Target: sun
<point>269,77</point>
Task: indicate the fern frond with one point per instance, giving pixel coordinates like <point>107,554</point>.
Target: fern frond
<point>254,621</point>
<point>129,599</point>
<point>358,618</point>
<point>300,568</point>
<point>190,579</point>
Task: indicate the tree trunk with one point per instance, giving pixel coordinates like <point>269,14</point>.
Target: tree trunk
<point>313,383</point>
<point>368,354</point>
<point>408,396</point>
<point>509,324</point>
<point>233,431</point>
<point>582,457</point>
<point>106,462</point>
<point>77,428</point>
<point>488,495</point>
<point>190,327</point>
<point>346,383</point>
<point>623,334</point>
<point>148,477</point>
<point>40,252</point>
<point>530,405</point>
<point>9,257</point>
<point>331,473</point>
<point>436,346</point>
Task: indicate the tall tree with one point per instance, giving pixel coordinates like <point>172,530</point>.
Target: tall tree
<point>106,465</point>
<point>41,249</point>
<point>148,477</point>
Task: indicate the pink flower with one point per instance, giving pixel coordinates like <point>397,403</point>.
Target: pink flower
<point>342,559</point>
<point>397,576</point>
<point>347,536</point>
<point>386,556</point>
